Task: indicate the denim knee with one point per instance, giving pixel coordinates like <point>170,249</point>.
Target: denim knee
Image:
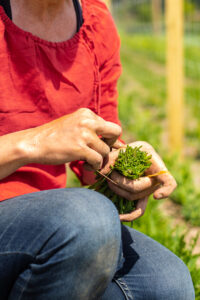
<point>173,283</point>
<point>87,226</point>
<point>87,239</point>
<point>70,241</point>
<point>180,285</point>
<point>99,231</point>
<point>94,218</point>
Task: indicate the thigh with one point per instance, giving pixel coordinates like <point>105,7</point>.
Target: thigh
<point>26,221</point>
<point>38,231</point>
<point>150,271</point>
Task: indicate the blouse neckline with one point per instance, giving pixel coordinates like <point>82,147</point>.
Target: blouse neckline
<point>68,43</point>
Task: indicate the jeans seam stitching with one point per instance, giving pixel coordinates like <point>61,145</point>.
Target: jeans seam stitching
<point>25,286</point>
<point>124,288</point>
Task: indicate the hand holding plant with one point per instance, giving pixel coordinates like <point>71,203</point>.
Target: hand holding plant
<point>161,184</point>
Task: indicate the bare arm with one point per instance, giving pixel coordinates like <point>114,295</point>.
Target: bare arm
<point>69,138</point>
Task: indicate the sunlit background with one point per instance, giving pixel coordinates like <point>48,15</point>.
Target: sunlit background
<point>159,102</point>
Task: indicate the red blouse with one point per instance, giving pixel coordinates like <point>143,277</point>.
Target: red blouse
<point>41,81</point>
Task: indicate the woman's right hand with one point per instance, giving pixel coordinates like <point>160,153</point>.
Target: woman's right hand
<point>71,137</point>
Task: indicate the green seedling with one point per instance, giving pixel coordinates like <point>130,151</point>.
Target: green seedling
<point>131,163</point>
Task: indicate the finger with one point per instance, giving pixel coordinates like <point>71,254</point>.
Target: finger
<point>131,196</point>
<point>118,144</point>
<point>108,130</point>
<point>113,143</point>
<point>142,204</point>
<point>168,186</point>
<point>137,213</point>
<point>119,191</point>
<point>109,161</point>
<point>92,157</point>
<point>104,128</point>
<point>98,145</point>
<point>110,141</point>
<point>130,217</point>
<point>133,186</point>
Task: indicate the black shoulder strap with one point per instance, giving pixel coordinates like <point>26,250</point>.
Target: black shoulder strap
<point>79,15</point>
<point>7,7</point>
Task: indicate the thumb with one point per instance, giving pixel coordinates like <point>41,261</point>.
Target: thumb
<point>118,144</point>
<point>108,161</point>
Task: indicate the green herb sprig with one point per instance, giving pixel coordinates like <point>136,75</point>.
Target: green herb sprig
<point>131,163</point>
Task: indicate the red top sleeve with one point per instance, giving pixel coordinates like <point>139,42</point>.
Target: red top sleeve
<point>107,47</point>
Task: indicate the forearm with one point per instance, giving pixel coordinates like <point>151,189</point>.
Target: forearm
<point>12,154</point>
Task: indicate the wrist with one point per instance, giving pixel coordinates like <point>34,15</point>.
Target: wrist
<point>25,148</point>
<point>16,151</point>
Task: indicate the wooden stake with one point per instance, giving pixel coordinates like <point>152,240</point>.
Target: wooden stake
<point>175,74</point>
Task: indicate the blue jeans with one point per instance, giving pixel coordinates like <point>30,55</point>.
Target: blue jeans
<point>68,244</point>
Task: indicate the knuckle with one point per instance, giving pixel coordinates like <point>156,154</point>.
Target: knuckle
<point>83,122</point>
<point>86,122</point>
<point>85,112</point>
<point>119,131</point>
<point>85,135</point>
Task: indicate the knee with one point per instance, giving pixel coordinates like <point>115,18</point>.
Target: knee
<point>97,224</point>
<point>92,214</point>
<point>88,224</point>
<point>99,231</point>
<point>174,282</point>
<point>179,282</point>
<point>81,208</point>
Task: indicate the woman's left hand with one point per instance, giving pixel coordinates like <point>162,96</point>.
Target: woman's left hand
<point>160,186</point>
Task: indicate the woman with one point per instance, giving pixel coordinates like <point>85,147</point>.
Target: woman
<point>59,68</point>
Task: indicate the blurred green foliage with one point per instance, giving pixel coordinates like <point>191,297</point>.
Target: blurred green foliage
<point>142,111</point>
<point>136,15</point>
